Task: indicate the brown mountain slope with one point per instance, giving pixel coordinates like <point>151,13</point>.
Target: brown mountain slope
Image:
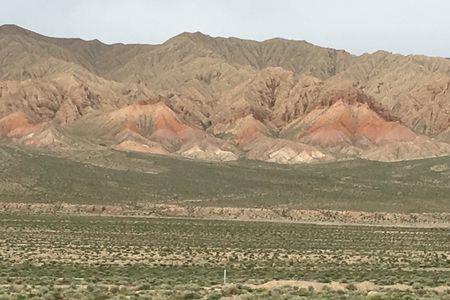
<point>151,127</point>
<point>412,88</point>
<point>65,96</point>
<point>222,98</point>
<point>343,123</point>
<point>297,56</point>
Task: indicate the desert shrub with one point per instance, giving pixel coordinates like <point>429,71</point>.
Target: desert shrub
<point>304,292</point>
<point>417,286</point>
<point>189,295</point>
<point>21,297</point>
<point>214,296</point>
<point>231,290</point>
<point>143,287</point>
<point>49,296</point>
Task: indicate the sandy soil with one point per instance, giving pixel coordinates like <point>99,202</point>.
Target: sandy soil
<point>365,286</point>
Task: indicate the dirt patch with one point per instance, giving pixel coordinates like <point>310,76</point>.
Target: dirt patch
<point>365,286</point>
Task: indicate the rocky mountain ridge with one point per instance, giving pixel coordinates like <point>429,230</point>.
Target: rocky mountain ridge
<point>221,99</point>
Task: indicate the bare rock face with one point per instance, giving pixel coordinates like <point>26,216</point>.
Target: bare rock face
<point>208,152</point>
<point>284,151</point>
<point>344,124</point>
<point>414,89</point>
<point>445,135</point>
<point>17,125</point>
<point>222,99</point>
<point>151,127</point>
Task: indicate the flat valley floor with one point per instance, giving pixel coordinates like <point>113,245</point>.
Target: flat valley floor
<point>102,257</point>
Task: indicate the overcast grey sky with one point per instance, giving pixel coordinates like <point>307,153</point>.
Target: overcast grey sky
<point>358,26</point>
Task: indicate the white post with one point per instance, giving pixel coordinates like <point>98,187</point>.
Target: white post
<point>224,276</point>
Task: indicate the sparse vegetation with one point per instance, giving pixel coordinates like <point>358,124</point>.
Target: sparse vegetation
<point>58,256</point>
<point>129,178</point>
<point>44,256</point>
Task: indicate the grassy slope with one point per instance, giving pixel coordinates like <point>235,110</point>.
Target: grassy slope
<point>412,186</point>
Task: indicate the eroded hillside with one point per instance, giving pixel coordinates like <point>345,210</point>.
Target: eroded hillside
<point>222,99</point>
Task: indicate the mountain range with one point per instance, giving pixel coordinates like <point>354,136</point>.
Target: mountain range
<point>222,99</point>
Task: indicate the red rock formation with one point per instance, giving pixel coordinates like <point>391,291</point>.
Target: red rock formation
<point>17,125</point>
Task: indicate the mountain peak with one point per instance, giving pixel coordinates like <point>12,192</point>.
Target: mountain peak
<point>13,29</point>
<point>195,36</point>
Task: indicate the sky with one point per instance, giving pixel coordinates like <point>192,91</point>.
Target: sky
<point>358,26</point>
